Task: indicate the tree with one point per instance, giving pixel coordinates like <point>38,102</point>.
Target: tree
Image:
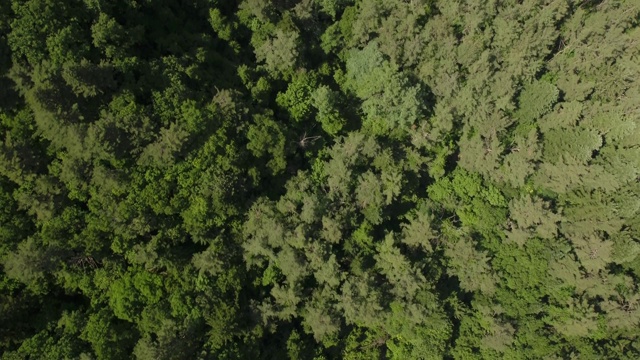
<point>280,53</point>
<point>369,197</point>
<point>108,336</point>
<point>531,217</point>
<point>32,264</point>
<point>327,101</point>
<point>470,266</point>
<point>297,99</point>
<point>319,179</point>
<point>267,137</point>
<point>374,80</point>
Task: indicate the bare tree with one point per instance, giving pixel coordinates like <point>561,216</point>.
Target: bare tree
<point>307,140</point>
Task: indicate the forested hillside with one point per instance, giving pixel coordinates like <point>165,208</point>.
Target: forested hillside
<point>319,179</point>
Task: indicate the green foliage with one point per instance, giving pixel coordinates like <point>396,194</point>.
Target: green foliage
<point>389,100</point>
<point>471,267</point>
<point>531,217</point>
<point>327,102</point>
<point>31,263</point>
<point>535,100</point>
<point>577,145</point>
<point>319,179</point>
<point>334,7</point>
<point>267,139</point>
<point>109,338</point>
<point>297,99</point>
<point>280,53</point>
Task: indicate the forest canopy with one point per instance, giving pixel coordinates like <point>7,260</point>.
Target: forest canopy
<point>319,179</point>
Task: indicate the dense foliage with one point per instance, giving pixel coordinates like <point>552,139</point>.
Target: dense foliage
<point>320,179</point>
